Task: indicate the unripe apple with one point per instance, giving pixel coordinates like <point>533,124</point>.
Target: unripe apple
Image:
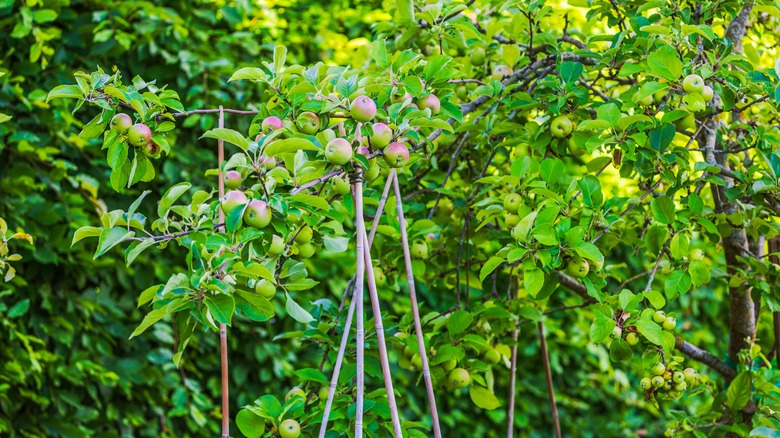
<point>277,246</point>
<point>295,392</point>
<point>681,386</point>
<point>289,429</point>
<point>492,356</point>
<point>151,149</point>
<point>323,394</point>
<point>379,277</point>
<point>512,220</point>
<point>668,385</point>
<point>306,250</point>
<point>396,154</point>
<point>669,323</point>
<point>429,101</point>
<point>693,84</point>
<point>362,109</point>
<point>658,381</point>
<point>340,185</point>
<point>578,267</point>
<point>232,199</point>
<point>617,332</point>
<point>561,126</point>
<point>690,375</point>
<point>512,202</point>
<point>645,101</point>
<point>458,378</point>
<point>269,162</point>
<point>477,56</point>
<point>707,93</point>
<point>449,364</point>
<point>233,179</point>
<point>632,338</point>
<point>271,123</point>
<point>501,71</point>
<point>678,376</point>
<point>338,151</point>
<point>462,92</point>
<point>265,289</point>
<point>687,123</point>
<point>419,250</point>
<point>139,135</point>
<point>381,136</point>
<point>121,123</point>
<point>402,98</point>
<point>645,383</point>
<point>257,214</point>
<point>308,123</point>
<point>659,369</point>
<point>659,316</point>
<point>373,170</point>
<point>695,254</point>
<point>416,361</point>
<point>305,235</point>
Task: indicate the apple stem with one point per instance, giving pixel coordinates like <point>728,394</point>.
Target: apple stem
<point>548,374</point>
<point>222,327</point>
<point>415,311</point>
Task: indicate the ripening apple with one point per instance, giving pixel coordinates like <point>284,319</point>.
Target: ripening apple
<point>658,382</point>
<point>693,84</point>
<point>511,220</point>
<point>308,123</point>
<point>669,323</point>
<point>430,101</point>
<point>617,332</point>
<point>419,250</point>
<point>646,383</point>
<point>139,135</point>
<point>233,179</point>
<point>121,123</point>
<point>458,378</point>
<point>561,126</point>
<point>268,162</point>
<point>306,250</point>
<point>362,109</point>
<point>323,394</point>
<point>462,92</point>
<point>512,202</point>
<point>396,154</point>
<point>257,214</point>
<point>289,429</point>
<point>379,277</point>
<point>500,71</point>
<point>690,375</point>
<point>687,123</point>
<point>338,151</point>
<point>632,338</point>
<point>659,369</point>
<point>492,356</point>
<point>277,246</point>
<point>578,267</point>
<point>151,149</point>
<point>271,123</point>
<point>381,136</point>
<point>707,93</point>
<point>340,185</point>
<point>681,386</point>
<point>678,376</point>
<point>659,316</point>
<point>233,199</point>
<point>305,235</point>
<point>295,392</point>
<point>645,101</point>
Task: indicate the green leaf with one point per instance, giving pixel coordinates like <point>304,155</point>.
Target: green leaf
<point>19,309</point>
<point>738,393</point>
<point>459,321</point>
<point>678,282</point>
<point>545,234</point>
<point>150,318</point>
<point>491,264</point>
<point>533,280</point>
<point>699,273</point>
<point>171,195</point>
<point>297,312</point>
<point>483,398</point>
<point>424,122</point>
<point>335,244</point>
<point>619,350</point>
<point>111,237</point>
<point>221,307</point>
<point>601,327</point>
<point>663,209</point>
<point>311,374</point>
<point>650,330</point>
<point>610,113</point>
<point>250,73</point>
<point>132,254</point>
<point>589,251</point>
<point>280,56</point>
<point>288,145</point>
<point>591,191</point>
<point>64,92</point>
<point>665,62</point>
<point>379,53</point>
<point>655,298</point>
<point>250,424</point>
<point>570,71</point>
<point>227,135</point>
<point>254,306</point>
<point>311,201</point>
<point>84,232</point>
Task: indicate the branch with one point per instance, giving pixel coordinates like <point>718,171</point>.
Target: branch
<point>705,357</point>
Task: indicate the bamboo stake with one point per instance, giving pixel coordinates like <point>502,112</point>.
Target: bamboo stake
<point>415,311</point>
<point>380,336</point>
<point>222,327</point>
<point>357,184</point>
<point>512,382</point>
<point>548,373</point>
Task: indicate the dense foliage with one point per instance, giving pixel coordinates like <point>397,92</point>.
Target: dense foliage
<point>605,172</point>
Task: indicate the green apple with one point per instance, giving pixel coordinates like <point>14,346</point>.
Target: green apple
<point>416,361</point>
<point>695,254</point>
<point>658,381</point>
<point>449,364</point>
<point>277,246</point>
<point>690,375</point>
<point>295,392</point>
<point>707,93</point>
<point>646,383</point>
<point>632,338</point>
<point>340,185</point>
<point>151,149</point>
<point>265,289</point>
<point>323,394</point>
<point>373,170</point>
<point>477,56</point>
<point>233,199</point>
<point>396,154</point>
<point>512,220</point>
<point>578,267</point>
<point>419,250</point>
<point>233,179</point>
<point>678,376</point>
<point>693,84</point>
<point>379,277</point>
<point>338,151</point>
<point>308,123</point>
<point>381,135</point>
<point>289,429</point>
<point>458,378</point>
<point>306,250</point>
<point>362,109</point>
<point>681,386</point>
<point>257,214</point>
<point>431,102</point>
<point>687,123</point>
<point>561,126</point>
<point>462,92</point>
<point>139,135</point>
<point>492,356</point>
<point>512,202</point>
<point>659,316</point>
<point>669,323</point>
<point>305,235</point>
<point>645,101</point>
<point>617,332</point>
<point>659,369</point>
<point>121,123</point>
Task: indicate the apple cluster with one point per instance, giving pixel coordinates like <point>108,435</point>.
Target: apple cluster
<point>669,381</point>
<point>138,135</point>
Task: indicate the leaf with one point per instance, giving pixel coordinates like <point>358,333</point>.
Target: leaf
<point>601,327</point>
<point>545,234</point>
<point>111,237</point>
<point>655,298</point>
<point>591,191</point>
<point>699,273</point>
<point>738,393</point>
<point>297,312</point>
<point>431,123</point>
<point>533,280</point>
<point>132,254</point>
<point>254,306</point>
<point>490,265</point>
<point>19,309</point>
<point>251,73</point>
<point>379,53</point>
<point>311,374</point>
<point>335,244</point>
<point>221,307</point>
<point>589,251</point>
<point>610,113</point>
<point>665,62</point>
<point>280,56</point>
<point>619,350</point>
<point>64,92</point>
<point>677,283</point>
<point>570,71</point>
<point>288,145</point>
<point>459,321</point>
<point>311,201</point>
<point>227,135</point>
<point>250,424</point>
<point>663,209</point>
<point>650,330</point>
<point>171,195</point>
<point>84,232</point>
<point>483,398</point>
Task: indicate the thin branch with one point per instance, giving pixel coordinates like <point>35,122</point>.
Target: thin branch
<point>705,357</point>
<point>548,375</point>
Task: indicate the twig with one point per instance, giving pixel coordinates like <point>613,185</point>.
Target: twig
<point>510,428</point>
<point>548,374</point>
<point>453,161</point>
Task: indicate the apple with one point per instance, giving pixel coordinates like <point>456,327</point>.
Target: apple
<point>707,93</point>
<point>306,250</point>
<point>687,123</point>
<point>381,136</point>
<point>659,369</point>
<point>373,170</point>
<point>277,246</point>
<point>379,277</point>
<point>323,394</point>
<point>416,361</point>
<point>233,199</point>
<point>462,92</point>
<point>340,185</point>
<point>658,381</point>
<point>295,392</point>
<point>362,109</point>
<point>139,135</point>
<point>695,254</point>
<point>269,162</point>
<point>632,338</point>
<point>429,101</point>
<point>617,332</point>
<point>233,179</point>
<point>305,235</point>
<point>308,123</point>
<point>690,375</point>
<point>678,377</point>
<point>408,352</point>
<point>271,123</point>
<point>512,220</point>
<point>396,154</point>
<point>151,149</point>
<point>645,383</point>
<point>561,126</point>
<point>338,151</point>
<point>693,84</point>
<point>645,101</point>
<point>669,323</point>
<point>257,214</point>
<point>289,429</point>
<point>458,378</point>
<point>265,288</point>
<point>659,316</point>
<point>578,267</point>
<point>419,250</point>
<point>500,71</point>
<point>659,95</point>
<point>512,202</point>
<point>449,364</point>
<point>492,356</point>
<point>402,98</point>
<point>477,56</point>
<point>121,123</point>
<point>681,386</point>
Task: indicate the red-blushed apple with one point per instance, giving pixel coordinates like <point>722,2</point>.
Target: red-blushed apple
<point>257,214</point>
<point>233,179</point>
<point>277,246</point>
<point>431,102</point>
<point>233,199</point>
<point>152,149</point>
<point>139,135</point>
<point>381,136</point>
<point>308,123</point>
<point>396,154</point>
<point>121,123</point>
<point>271,123</point>
<point>501,71</point>
<point>338,151</point>
<point>362,109</point>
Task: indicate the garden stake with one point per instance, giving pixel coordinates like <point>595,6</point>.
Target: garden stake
<point>548,373</point>
<point>357,185</point>
<point>222,327</point>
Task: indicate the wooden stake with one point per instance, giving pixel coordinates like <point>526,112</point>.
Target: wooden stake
<point>415,311</point>
<point>548,373</point>
<point>512,382</point>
